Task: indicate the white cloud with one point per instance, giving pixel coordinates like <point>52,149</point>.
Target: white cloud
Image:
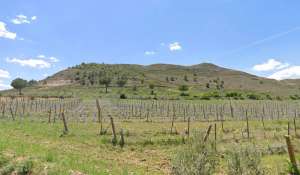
<point>41,61</point>
<point>4,33</point>
<point>33,18</point>
<point>175,46</point>
<point>53,59</point>
<point>34,63</point>
<point>270,65</point>
<point>150,53</point>
<point>4,74</point>
<point>4,86</point>
<point>22,19</point>
<point>41,56</point>
<point>292,72</point>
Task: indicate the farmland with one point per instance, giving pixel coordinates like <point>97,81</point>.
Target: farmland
<point>149,87</point>
<point>113,136</point>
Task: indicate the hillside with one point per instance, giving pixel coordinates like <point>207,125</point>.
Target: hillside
<point>85,80</point>
<point>173,75</point>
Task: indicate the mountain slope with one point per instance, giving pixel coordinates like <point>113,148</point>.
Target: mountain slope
<point>199,76</point>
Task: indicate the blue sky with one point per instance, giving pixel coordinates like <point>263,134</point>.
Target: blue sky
<point>39,38</point>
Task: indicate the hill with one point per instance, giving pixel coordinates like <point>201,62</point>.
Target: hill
<point>200,78</point>
<point>171,75</point>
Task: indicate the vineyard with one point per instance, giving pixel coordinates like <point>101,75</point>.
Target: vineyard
<point>112,136</point>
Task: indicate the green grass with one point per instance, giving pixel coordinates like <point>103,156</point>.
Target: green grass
<point>149,146</point>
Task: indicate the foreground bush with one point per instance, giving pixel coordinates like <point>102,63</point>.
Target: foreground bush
<point>23,167</point>
<point>195,158</point>
<point>245,161</point>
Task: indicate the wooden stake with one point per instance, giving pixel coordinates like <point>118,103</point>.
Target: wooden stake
<point>295,126</point>
<point>248,131</point>
<point>291,153</point>
<point>215,136</point>
<point>99,116</point>
<point>207,133</point>
<point>122,140</point>
<point>114,140</point>
<point>288,128</point>
<point>188,129</point>
<point>49,117</point>
<point>66,130</point>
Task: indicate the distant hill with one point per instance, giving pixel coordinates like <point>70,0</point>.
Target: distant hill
<point>201,76</point>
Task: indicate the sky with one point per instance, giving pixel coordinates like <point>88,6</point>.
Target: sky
<point>39,38</point>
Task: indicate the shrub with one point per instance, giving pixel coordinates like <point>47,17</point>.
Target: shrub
<point>294,97</point>
<point>24,168</point>
<point>292,169</point>
<point>195,157</point>
<point>269,97</point>
<point>3,160</point>
<point>234,95</point>
<point>183,88</point>
<point>254,97</point>
<point>204,97</point>
<point>122,81</point>
<point>134,88</point>
<point>123,96</point>
<point>245,161</point>
<point>185,78</point>
<point>209,95</point>
<point>184,94</point>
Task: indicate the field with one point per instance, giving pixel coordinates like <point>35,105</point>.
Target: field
<point>73,136</point>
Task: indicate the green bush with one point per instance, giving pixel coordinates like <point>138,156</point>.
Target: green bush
<point>295,97</point>
<point>123,96</point>
<point>184,94</point>
<point>20,168</point>
<point>245,161</point>
<point>204,98</point>
<point>254,96</point>
<point>3,160</point>
<point>183,88</point>
<point>24,167</point>
<point>292,169</point>
<point>195,158</point>
<point>234,95</point>
<point>209,95</point>
<point>269,97</point>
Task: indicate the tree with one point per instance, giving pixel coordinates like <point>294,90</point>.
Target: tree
<point>183,89</point>
<point>167,79</point>
<point>186,78</point>
<point>152,86</point>
<point>207,85</point>
<point>32,83</point>
<point>106,82</point>
<point>219,84</point>
<point>122,81</point>
<point>19,84</point>
<point>91,78</point>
